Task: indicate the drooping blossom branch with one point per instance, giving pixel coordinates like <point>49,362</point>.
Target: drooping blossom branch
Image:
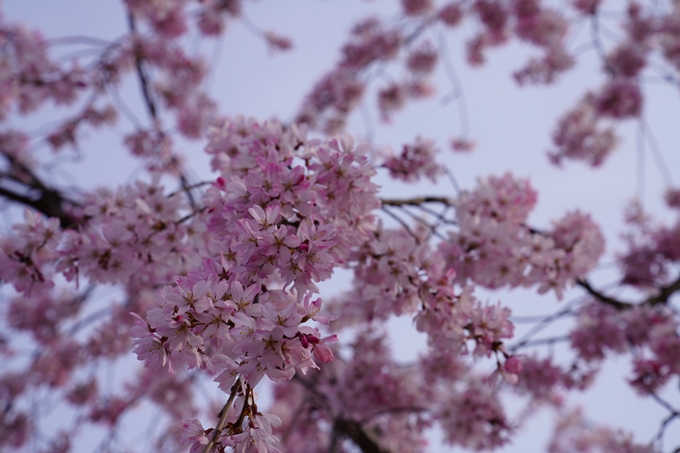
<point>221,280</point>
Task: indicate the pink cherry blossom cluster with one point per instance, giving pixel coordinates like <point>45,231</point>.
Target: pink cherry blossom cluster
<point>374,399</point>
<point>651,332</point>
<point>547,29</point>
<point>169,18</point>
<point>546,382</point>
<point>494,247</point>
<point>396,275</point>
<point>27,76</point>
<point>583,132</point>
<point>416,160</point>
<point>531,22</point>
<point>574,433</point>
<point>672,198</point>
<point>30,77</point>
<point>281,224</point>
<point>134,236</point>
<point>579,134</point>
<point>653,251</point>
<point>68,348</point>
<point>26,253</point>
<point>586,132</point>
<point>374,43</point>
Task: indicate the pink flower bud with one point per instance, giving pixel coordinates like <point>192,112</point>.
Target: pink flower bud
<point>323,352</point>
<point>513,364</point>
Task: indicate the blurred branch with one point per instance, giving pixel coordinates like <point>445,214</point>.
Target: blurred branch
<point>402,222</point>
<point>341,427</point>
<point>545,322</point>
<point>141,73</point>
<point>37,194</point>
<point>151,105</point>
<point>662,297</point>
<point>358,435</point>
<point>619,305</point>
<point>415,201</point>
<point>541,342</point>
<point>77,39</point>
<point>664,294</point>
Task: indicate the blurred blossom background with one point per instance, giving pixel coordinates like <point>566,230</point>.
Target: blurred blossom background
<point>510,125</point>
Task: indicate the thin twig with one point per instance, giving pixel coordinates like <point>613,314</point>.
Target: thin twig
<point>190,187</point>
<point>415,201</point>
<point>452,180</point>
<point>456,85</point>
<point>141,73</point>
<point>223,417</point>
<point>659,161</point>
<point>403,224</point>
<point>431,227</point>
<point>441,217</point>
<point>358,435</point>
<point>541,342</point>
<point>543,324</point>
<point>597,42</point>
<point>619,305</point>
<point>77,39</point>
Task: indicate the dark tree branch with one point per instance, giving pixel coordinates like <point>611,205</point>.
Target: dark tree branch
<point>415,201</point>
<point>619,305</point>
<point>433,228</point>
<point>662,297</point>
<point>151,105</point>
<point>358,435</point>
<point>664,294</point>
<point>141,73</point>
<point>49,202</point>
<point>341,427</point>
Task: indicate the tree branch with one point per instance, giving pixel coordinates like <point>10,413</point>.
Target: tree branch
<point>223,418</point>
<point>403,224</point>
<point>342,427</point>
<point>665,293</point>
<point>661,298</point>
<point>415,201</point>
<point>144,83</point>
<point>48,201</point>
<point>619,305</point>
<point>358,435</point>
